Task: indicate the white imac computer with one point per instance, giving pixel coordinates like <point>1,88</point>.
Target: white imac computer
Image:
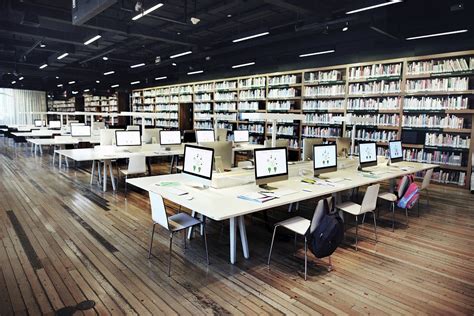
<point>170,138</point>
<point>367,155</point>
<point>55,124</point>
<point>198,164</point>
<point>396,151</point>
<point>203,136</point>
<point>271,165</point>
<point>40,123</point>
<point>241,137</point>
<point>127,138</point>
<point>324,159</point>
<point>80,131</point>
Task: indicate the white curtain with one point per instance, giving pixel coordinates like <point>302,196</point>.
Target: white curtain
<point>16,105</point>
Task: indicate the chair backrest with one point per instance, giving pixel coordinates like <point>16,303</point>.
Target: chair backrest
<point>223,150</point>
<point>308,147</point>
<point>279,143</point>
<point>133,128</point>
<point>221,134</point>
<point>151,135</point>
<point>369,203</point>
<point>136,164</point>
<point>158,210</point>
<point>427,179</point>
<point>107,137</point>
<point>319,212</point>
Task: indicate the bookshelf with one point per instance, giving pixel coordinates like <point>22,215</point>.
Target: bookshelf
<point>72,104</point>
<point>106,103</point>
<point>427,101</point>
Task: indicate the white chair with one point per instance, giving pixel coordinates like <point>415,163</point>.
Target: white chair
<point>61,139</point>
<point>174,224</point>
<point>136,165</point>
<point>107,137</point>
<point>308,144</point>
<point>369,204</point>
<point>300,226</point>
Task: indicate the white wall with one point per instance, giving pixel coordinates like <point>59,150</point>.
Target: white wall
<point>15,102</point>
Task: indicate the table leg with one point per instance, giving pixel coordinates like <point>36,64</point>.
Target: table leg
<point>243,237</point>
<point>172,162</point>
<point>92,171</point>
<point>233,239</point>
<point>112,179</point>
<point>41,149</point>
<point>104,179</point>
<point>190,229</point>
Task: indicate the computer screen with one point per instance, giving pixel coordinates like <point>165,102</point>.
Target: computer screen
<point>205,136</point>
<point>39,123</point>
<point>80,130</point>
<point>170,137</point>
<point>368,154</point>
<point>324,158</point>
<point>241,136</point>
<point>271,164</point>
<point>128,138</point>
<point>71,123</point>
<point>54,124</point>
<point>395,149</point>
<point>198,161</point>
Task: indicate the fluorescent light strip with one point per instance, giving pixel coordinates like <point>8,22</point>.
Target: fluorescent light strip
<point>195,72</point>
<point>21,78</point>
<point>114,86</point>
<point>153,8</point>
<point>72,82</point>
<point>181,54</point>
<point>137,65</point>
<point>435,35</point>
<point>250,37</point>
<point>375,6</point>
<point>43,66</point>
<point>161,78</point>
<point>244,65</point>
<point>318,53</point>
<point>74,92</point>
<point>134,82</point>
<point>13,82</point>
<point>59,85</point>
<point>86,90</point>
<point>109,73</point>
<point>62,56</point>
<point>95,38</point>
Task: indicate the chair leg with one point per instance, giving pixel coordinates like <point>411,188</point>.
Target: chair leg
<point>151,241</point>
<point>357,230</point>
<point>184,238</point>
<point>169,261</point>
<point>126,177</point>
<point>204,235</point>
<point>375,226</point>
<point>363,219</point>
<point>305,258</point>
<point>330,264</point>
<point>406,214</point>
<point>393,216</point>
<point>418,208</point>
<point>271,246</point>
<point>427,197</point>
<point>295,245</point>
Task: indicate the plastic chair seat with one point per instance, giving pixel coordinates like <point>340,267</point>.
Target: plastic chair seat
<point>182,221</point>
<point>296,224</point>
<point>387,196</point>
<point>350,207</point>
<point>125,172</point>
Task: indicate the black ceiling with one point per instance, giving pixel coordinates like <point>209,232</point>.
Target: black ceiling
<point>295,26</point>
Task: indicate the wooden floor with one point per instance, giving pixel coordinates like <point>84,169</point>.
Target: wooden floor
<point>64,242</point>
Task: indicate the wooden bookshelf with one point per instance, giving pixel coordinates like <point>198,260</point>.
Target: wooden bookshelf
<point>107,103</point>
<point>383,91</point>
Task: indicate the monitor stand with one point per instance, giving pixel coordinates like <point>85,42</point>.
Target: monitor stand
<point>168,148</point>
<point>389,162</point>
<point>359,168</point>
<point>267,187</point>
<point>321,177</point>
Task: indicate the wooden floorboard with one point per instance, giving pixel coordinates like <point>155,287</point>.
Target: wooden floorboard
<point>64,241</point>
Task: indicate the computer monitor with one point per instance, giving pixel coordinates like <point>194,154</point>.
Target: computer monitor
<point>205,136</point>
<point>241,136</point>
<point>55,124</point>
<point>271,165</point>
<point>133,127</point>
<point>343,146</point>
<point>40,123</point>
<point>222,154</point>
<point>198,163</point>
<point>168,138</point>
<point>395,150</point>
<point>80,131</point>
<point>127,138</point>
<point>324,158</point>
<point>367,155</point>
<point>189,136</point>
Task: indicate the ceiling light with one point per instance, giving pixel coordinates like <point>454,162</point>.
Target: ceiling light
<point>346,28</point>
<point>43,66</point>
<point>137,65</point>
<point>244,65</point>
<point>74,92</point>
<point>71,82</point>
<point>318,53</point>
<point>153,8</point>
<point>105,58</point>
<point>21,78</point>
<point>109,73</point>
<point>195,20</point>
<point>161,78</point>
<point>95,38</point>
<point>86,90</point>
<point>62,56</point>
<point>435,35</point>
<point>181,54</point>
<point>13,82</point>
<point>59,85</point>
<point>229,15</point>
<point>42,45</point>
<point>97,81</point>
<point>114,86</point>
<point>375,6</point>
<point>173,64</point>
<point>250,37</point>
<point>195,72</point>
<point>134,82</point>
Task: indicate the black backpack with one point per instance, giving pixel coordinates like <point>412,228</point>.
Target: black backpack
<point>329,232</point>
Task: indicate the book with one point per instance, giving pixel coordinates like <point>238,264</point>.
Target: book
<point>256,197</point>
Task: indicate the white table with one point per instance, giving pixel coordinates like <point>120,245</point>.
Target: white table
<point>38,133</point>
<point>223,204</point>
<point>37,143</point>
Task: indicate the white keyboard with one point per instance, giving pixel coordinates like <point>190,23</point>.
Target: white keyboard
<point>334,180</point>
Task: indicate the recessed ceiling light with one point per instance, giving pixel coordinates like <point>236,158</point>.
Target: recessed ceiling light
<point>229,15</point>
<point>109,73</point>
<point>173,64</point>
<point>137,65</point>
<point>318,53</point>
<point>86,90</point>
<point>250,37</point>
<point>43,66</point>
<point>93,39</point>
<point>374,6</point>
<point>57,77</point>
<point>21,78</point>
<point>114,86</point>
<point>178,33</point>
<point>244,65</point>
<point>105,58</point>
<point>97,81</point>
<point>161,78</point>
<point>59,85</point>
<point>13,82</point>
<point>71,82</point>
<point>181,54</point>
<point>153,8</point>
<point>345,28</point>
<point>195,72</point>
<point>42,45</point>
<point>435,35</point>
<point>62,56</point>
<point>74,92</point>
<point>134,82</point>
